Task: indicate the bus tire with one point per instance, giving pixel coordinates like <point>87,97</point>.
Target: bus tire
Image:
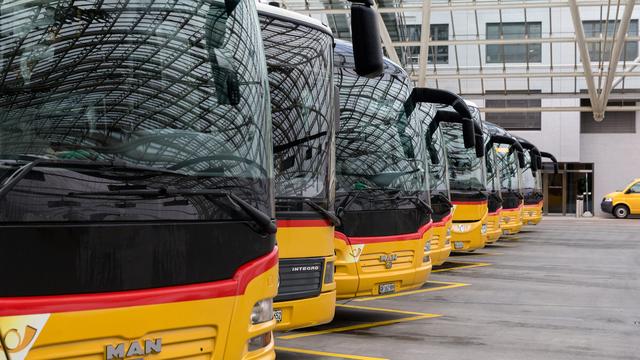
<point>621,211</point>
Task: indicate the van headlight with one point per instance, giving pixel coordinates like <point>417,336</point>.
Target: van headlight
<point>483,229</point>
<point>262,311</point>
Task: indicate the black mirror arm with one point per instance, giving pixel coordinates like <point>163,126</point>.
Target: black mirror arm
<point>552,158</point>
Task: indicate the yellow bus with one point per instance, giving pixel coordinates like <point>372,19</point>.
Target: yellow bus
<point>299,53</point>
<point>382,191</point>
<point>494,203</point>
<point>136,182</point>
<point>467,179</point>
<point>510,160</point>
<point>532,183</point>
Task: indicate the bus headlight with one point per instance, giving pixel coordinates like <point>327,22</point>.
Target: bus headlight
<point>427,246</point>
<point>448,231</point>
<point>328,272</point>
<point>483,229</point>
<point>608,199</point>
<point>260,341</point>
<point>262,311</point>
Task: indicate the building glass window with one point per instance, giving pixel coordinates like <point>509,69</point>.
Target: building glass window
<point>514,53</point>
<point>615,122</point>
<point>597,29</point>
<point>438,32</point>
<point>515,120</point>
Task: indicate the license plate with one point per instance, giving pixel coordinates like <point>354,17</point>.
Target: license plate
<point>387,288</point>
<point>277,314</point>
<point>458,244</point>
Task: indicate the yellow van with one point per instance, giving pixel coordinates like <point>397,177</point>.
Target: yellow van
<point>623,203</point>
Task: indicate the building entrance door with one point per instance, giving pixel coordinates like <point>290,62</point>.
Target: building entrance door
<point>572,182</point>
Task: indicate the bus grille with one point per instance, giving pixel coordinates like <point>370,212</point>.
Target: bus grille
<point>435,242</point>
<point>372,263</point>
<point>300,278</point>
<point>192,342</point>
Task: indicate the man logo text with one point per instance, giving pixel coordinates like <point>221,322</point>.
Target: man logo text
<point>115,352</point>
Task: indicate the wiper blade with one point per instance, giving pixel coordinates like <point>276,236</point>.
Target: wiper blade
<point>262,219</point>
<point>24,170</point>
<point>335,221</point>
<point>17,176</point>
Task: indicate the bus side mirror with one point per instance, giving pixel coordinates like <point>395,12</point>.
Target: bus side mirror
<point>479,145</point>
<point>468,133</point>
<point>521,159</point>
<point>367,50</point>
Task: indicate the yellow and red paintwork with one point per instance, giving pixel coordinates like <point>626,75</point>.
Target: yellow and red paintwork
<point>359,270</point>
<point>494,231</point>
<point>532,214</point>
<point>512,220</point>
<point>441,240</point>
<point>468,220</point>
<point>304,239</point>
<point>199,321</point>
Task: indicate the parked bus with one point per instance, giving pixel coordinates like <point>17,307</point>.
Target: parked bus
<point>510,159</point>
<point>299,53</point>
<point>136,181</point>
<point>532,182</point>
<point>494,219</point>
<point>382,190</point>
<point>440,245</point>
<point>467,179</point>
<point>494,201</point>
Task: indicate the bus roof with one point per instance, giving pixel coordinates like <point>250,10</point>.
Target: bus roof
<point>293,16</point>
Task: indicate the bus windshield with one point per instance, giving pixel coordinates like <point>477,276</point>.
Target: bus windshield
<point>466,171</point>
<point>377,146</point>
<point>153,96</point>
<point>529,178</point>
<point>300,65</point>
<point>493,169</point>
<point>509,169</point>
<point>438,177</point>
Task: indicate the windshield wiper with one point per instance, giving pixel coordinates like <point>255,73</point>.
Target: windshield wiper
<point>24,170</point>
<point>262,219</point>
<point>17,176</point>
<point>335,221</point>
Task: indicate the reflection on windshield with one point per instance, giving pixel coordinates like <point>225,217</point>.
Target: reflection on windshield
<point>377,146</point>
<point>300,64</point>
<point>466,171</point>
<point>509,170</point>
<point>177,87</point>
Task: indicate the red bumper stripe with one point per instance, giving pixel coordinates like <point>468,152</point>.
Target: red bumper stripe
<point>78,302</point>
<point>444,221</point>
<point>379,239</point>
<point>303,223</point>
<point>483,202</point>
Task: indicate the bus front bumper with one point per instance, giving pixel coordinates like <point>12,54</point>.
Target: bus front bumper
<point>440,244</point>
<point>307,312</point>
<point>370,284</point>
<point>468,236</point>
<point>511,221</point>
<point>532,214</point>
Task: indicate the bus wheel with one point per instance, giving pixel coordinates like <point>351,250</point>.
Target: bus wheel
<point>621,211</point>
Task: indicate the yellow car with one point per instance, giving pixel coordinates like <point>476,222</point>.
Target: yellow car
<point>623,203</point>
